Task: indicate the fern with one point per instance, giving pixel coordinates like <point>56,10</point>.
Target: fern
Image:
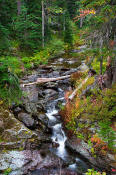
<point>9,84</point>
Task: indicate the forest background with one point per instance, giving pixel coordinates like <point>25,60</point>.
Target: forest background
<point>34,31</point>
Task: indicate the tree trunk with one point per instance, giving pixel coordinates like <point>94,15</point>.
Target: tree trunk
<point>64,23</point>
<point>101,65</point>
<point>114,72</point>
<point>81,22</point>
<point>114,65</point>
<point>71,97</point>
<point>108,76</point>
<point>18,7</point>
<point>43,24</point>
<point>101,59</point>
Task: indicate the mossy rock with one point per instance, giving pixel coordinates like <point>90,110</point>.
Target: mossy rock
<point>13,133</point>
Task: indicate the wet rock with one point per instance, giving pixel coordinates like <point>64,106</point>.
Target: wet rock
<point>30,99</point>
<point>41,106</point>
<point>26,119</point>
<point>70,71</point>
<point>40,94</point>
<point>50,93</point>
<point>54,122</point>
<point>55,144</point>
<point>24,162</point>
<point>82,148</point>
<point>31,93</point>
<point>17,110</point>
<point>55,73</point>
<point>54,171</point>
<point>57,116</point>
<point>43,118</point>
<point>30,107</point>
<point>52,85</point>
<point>16,136</point>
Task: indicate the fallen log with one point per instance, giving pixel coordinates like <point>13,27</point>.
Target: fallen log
<point>45,80</point>
<point>79,87</point>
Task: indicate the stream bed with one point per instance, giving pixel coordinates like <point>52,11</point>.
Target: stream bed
<point>41,146</point>
<point>62,66</point>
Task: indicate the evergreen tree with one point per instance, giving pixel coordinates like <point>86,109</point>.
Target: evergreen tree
<point>28,25</point>
<point>68,30</point>
<point>7,11</point>
<point>72,8</point>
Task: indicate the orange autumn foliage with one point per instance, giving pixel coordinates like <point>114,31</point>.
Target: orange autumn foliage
<point>84,13</point>
<point>76,75</point>
<point>67,112</point>
<point>112,43</point>
<point>68,108</point>
<point>99,144</point>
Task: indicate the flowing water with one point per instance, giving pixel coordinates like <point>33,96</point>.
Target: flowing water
<point>58,135</point>
<point>59,138</point>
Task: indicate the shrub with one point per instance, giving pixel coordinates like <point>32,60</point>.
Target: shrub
<point>99,107</point>
<point>93,172</point>
<point>55,47</point>
<point>107,133</point>
<point>9,84</point>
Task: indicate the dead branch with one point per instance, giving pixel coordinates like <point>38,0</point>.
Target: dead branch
<point>45,80</point>
<point>79,87</point>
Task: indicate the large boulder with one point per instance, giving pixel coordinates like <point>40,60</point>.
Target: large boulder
<point>26,161</point>
<point>27,119</point>
<point>99,161</point>
<point>19,145</point>
<point>13,133</point>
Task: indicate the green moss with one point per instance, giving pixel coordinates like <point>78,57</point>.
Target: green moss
<point>7,171</point>
<point>96,65</point>
<point>89,82</point>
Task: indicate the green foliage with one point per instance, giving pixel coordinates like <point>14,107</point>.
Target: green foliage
<point>72,7</point>
<point>98,107</point>
<point>7,171</point>
<point>53,49</point>
<point>9,84</point>
<point>7,11</point>
<point>4,41</point>
<point>99,24</point>
<point>96,65</point>
<point>94,172</point>
<point>101,104</point>
<point>28,29</point>
<point>107,133</point>
<point>68,34</point>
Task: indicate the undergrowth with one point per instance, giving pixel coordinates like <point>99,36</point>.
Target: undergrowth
<point>83,113</point>
<point>9,83</point>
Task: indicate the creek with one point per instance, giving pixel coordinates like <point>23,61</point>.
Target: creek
<point>40,146</point>
<point>62,66</point>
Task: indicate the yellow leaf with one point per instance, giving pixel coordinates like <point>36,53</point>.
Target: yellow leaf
<point>1,102</point>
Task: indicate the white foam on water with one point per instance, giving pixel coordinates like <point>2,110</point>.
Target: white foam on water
<point>73,166</point>
<point>50,114</point>
<point>60,138</point>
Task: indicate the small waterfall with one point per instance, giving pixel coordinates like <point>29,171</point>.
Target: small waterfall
<point>59,138</point>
